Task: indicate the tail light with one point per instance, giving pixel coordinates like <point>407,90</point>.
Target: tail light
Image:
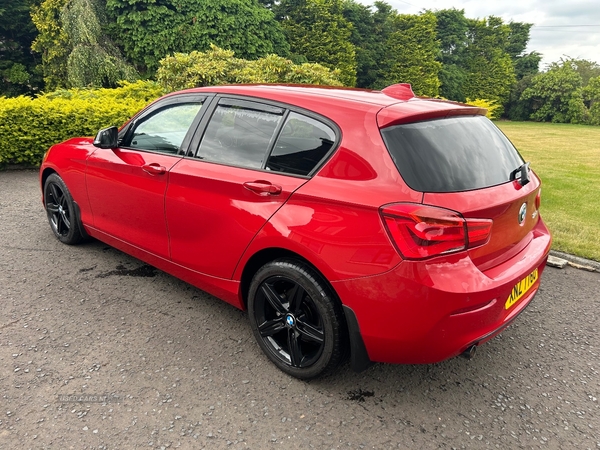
<point>538,199</point>
<point>420,231</point>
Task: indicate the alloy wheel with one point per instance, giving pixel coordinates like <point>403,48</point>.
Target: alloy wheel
<point>57,207</point>
<point>289,322</point>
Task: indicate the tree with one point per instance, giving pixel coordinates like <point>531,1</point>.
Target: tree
<point>94,61</point>
<point>587,69</point>
<point>370,32</point>
<point>556,94</point>
<point>76,52</point>
<point>149,30</point>
<point>452,30</point>
<point>318,32</point>
<point>527,64</point>
<point>52,42</point>
<point>518,107</point>
<point>591,97</point>
<point>17,64</point>
<point>526,67</point>
<point>490,69</point>
<point>411,54</point>
<point>517,38</point>
<point>482,58</point>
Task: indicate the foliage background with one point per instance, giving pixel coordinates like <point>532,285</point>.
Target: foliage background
<point>78,48</point>
<point>97,43</point>
<point>149,30</point>
<point>29,126</point>
<point>18,65</point>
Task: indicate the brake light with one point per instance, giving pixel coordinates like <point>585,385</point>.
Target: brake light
<point>420,231</point>
<point>538,199</point>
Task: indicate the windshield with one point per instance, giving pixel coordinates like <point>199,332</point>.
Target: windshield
<point>452,154</point>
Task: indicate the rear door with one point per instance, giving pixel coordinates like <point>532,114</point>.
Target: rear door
<point>245,169</point>
<point>127,185</point>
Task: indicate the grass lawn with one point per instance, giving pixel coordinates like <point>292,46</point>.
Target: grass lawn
<point>567,159</point>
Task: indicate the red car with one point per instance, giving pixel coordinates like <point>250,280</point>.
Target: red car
<point>368,224</point>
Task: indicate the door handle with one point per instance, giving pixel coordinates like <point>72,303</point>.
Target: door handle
<point>262,187</point>
<point>154,169</point>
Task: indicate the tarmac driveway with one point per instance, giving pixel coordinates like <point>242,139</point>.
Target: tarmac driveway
<point>98,350</point>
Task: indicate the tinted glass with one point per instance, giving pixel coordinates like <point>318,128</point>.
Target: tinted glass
<point>451,155</point>
<point>302,144</point>
<point>240,133</point>
<point>165,130</point>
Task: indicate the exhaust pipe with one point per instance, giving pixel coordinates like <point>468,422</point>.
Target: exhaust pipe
<point>469,352</point>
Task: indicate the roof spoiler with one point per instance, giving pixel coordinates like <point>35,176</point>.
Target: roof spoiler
<point>425,109</point>
<point>400,91</point>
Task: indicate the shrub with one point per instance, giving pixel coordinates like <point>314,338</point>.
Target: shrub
<point>494,110</point>
<point>217,66</point>
<point>29,126</point>
<point>556,94</point>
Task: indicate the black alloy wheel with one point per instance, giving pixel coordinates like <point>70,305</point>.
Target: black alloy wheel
<point>295,319</point>
<point>61,212</point>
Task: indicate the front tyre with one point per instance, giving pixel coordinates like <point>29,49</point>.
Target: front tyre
<point>61,212</point>
<point>295,318</point>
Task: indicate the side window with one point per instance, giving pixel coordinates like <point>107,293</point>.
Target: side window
<point>302,144</point>
<point>164,130</point>
<point>240,133</point>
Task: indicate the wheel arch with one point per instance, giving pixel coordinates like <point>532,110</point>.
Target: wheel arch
<point>266,255</point>
<point>44,176</point>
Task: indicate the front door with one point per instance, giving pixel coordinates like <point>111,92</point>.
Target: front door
<point>127,185</point>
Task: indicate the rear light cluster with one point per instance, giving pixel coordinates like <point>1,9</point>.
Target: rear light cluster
<point>420,231</point>
<point>538,199</point>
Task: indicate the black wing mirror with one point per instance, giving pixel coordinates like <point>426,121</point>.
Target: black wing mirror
<point>107,138</point>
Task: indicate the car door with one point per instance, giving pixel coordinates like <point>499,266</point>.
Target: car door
<point>126,185</point>
<point>218,200</point>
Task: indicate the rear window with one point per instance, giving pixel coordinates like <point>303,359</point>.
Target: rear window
<point>452,154</point>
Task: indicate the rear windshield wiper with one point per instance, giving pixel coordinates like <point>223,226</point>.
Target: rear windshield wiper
<point>521,174</point>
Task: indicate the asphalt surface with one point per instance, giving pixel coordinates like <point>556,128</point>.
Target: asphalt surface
<point>98,350</point>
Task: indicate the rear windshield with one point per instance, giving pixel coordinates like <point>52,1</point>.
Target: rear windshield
<point>452,154</point>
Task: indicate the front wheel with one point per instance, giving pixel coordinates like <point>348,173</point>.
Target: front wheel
<point>296,320</point>
<point>61,212</point>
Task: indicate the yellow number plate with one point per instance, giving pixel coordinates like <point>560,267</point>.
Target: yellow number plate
<point>521,288</point>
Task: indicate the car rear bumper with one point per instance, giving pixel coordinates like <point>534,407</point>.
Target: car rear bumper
<point>429,311</point>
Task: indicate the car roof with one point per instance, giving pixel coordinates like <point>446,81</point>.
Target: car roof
<point>283,92</point>
<point>398,100</point>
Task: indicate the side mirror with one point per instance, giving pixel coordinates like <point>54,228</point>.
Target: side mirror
<point>107,138</point>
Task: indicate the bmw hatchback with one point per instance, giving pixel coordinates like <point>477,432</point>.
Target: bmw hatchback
<point>369,225</point>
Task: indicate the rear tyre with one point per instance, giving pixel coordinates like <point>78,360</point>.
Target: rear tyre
<point>296,319</point>
<point>60,208</point>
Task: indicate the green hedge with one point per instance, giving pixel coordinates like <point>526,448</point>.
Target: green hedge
<point>28,127</point>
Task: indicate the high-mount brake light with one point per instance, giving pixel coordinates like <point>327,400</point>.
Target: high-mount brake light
<point>421,231</point>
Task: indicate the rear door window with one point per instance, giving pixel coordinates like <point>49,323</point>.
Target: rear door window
<point>301,146</point>
<point>240,133</point>
<point>452,154</point>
